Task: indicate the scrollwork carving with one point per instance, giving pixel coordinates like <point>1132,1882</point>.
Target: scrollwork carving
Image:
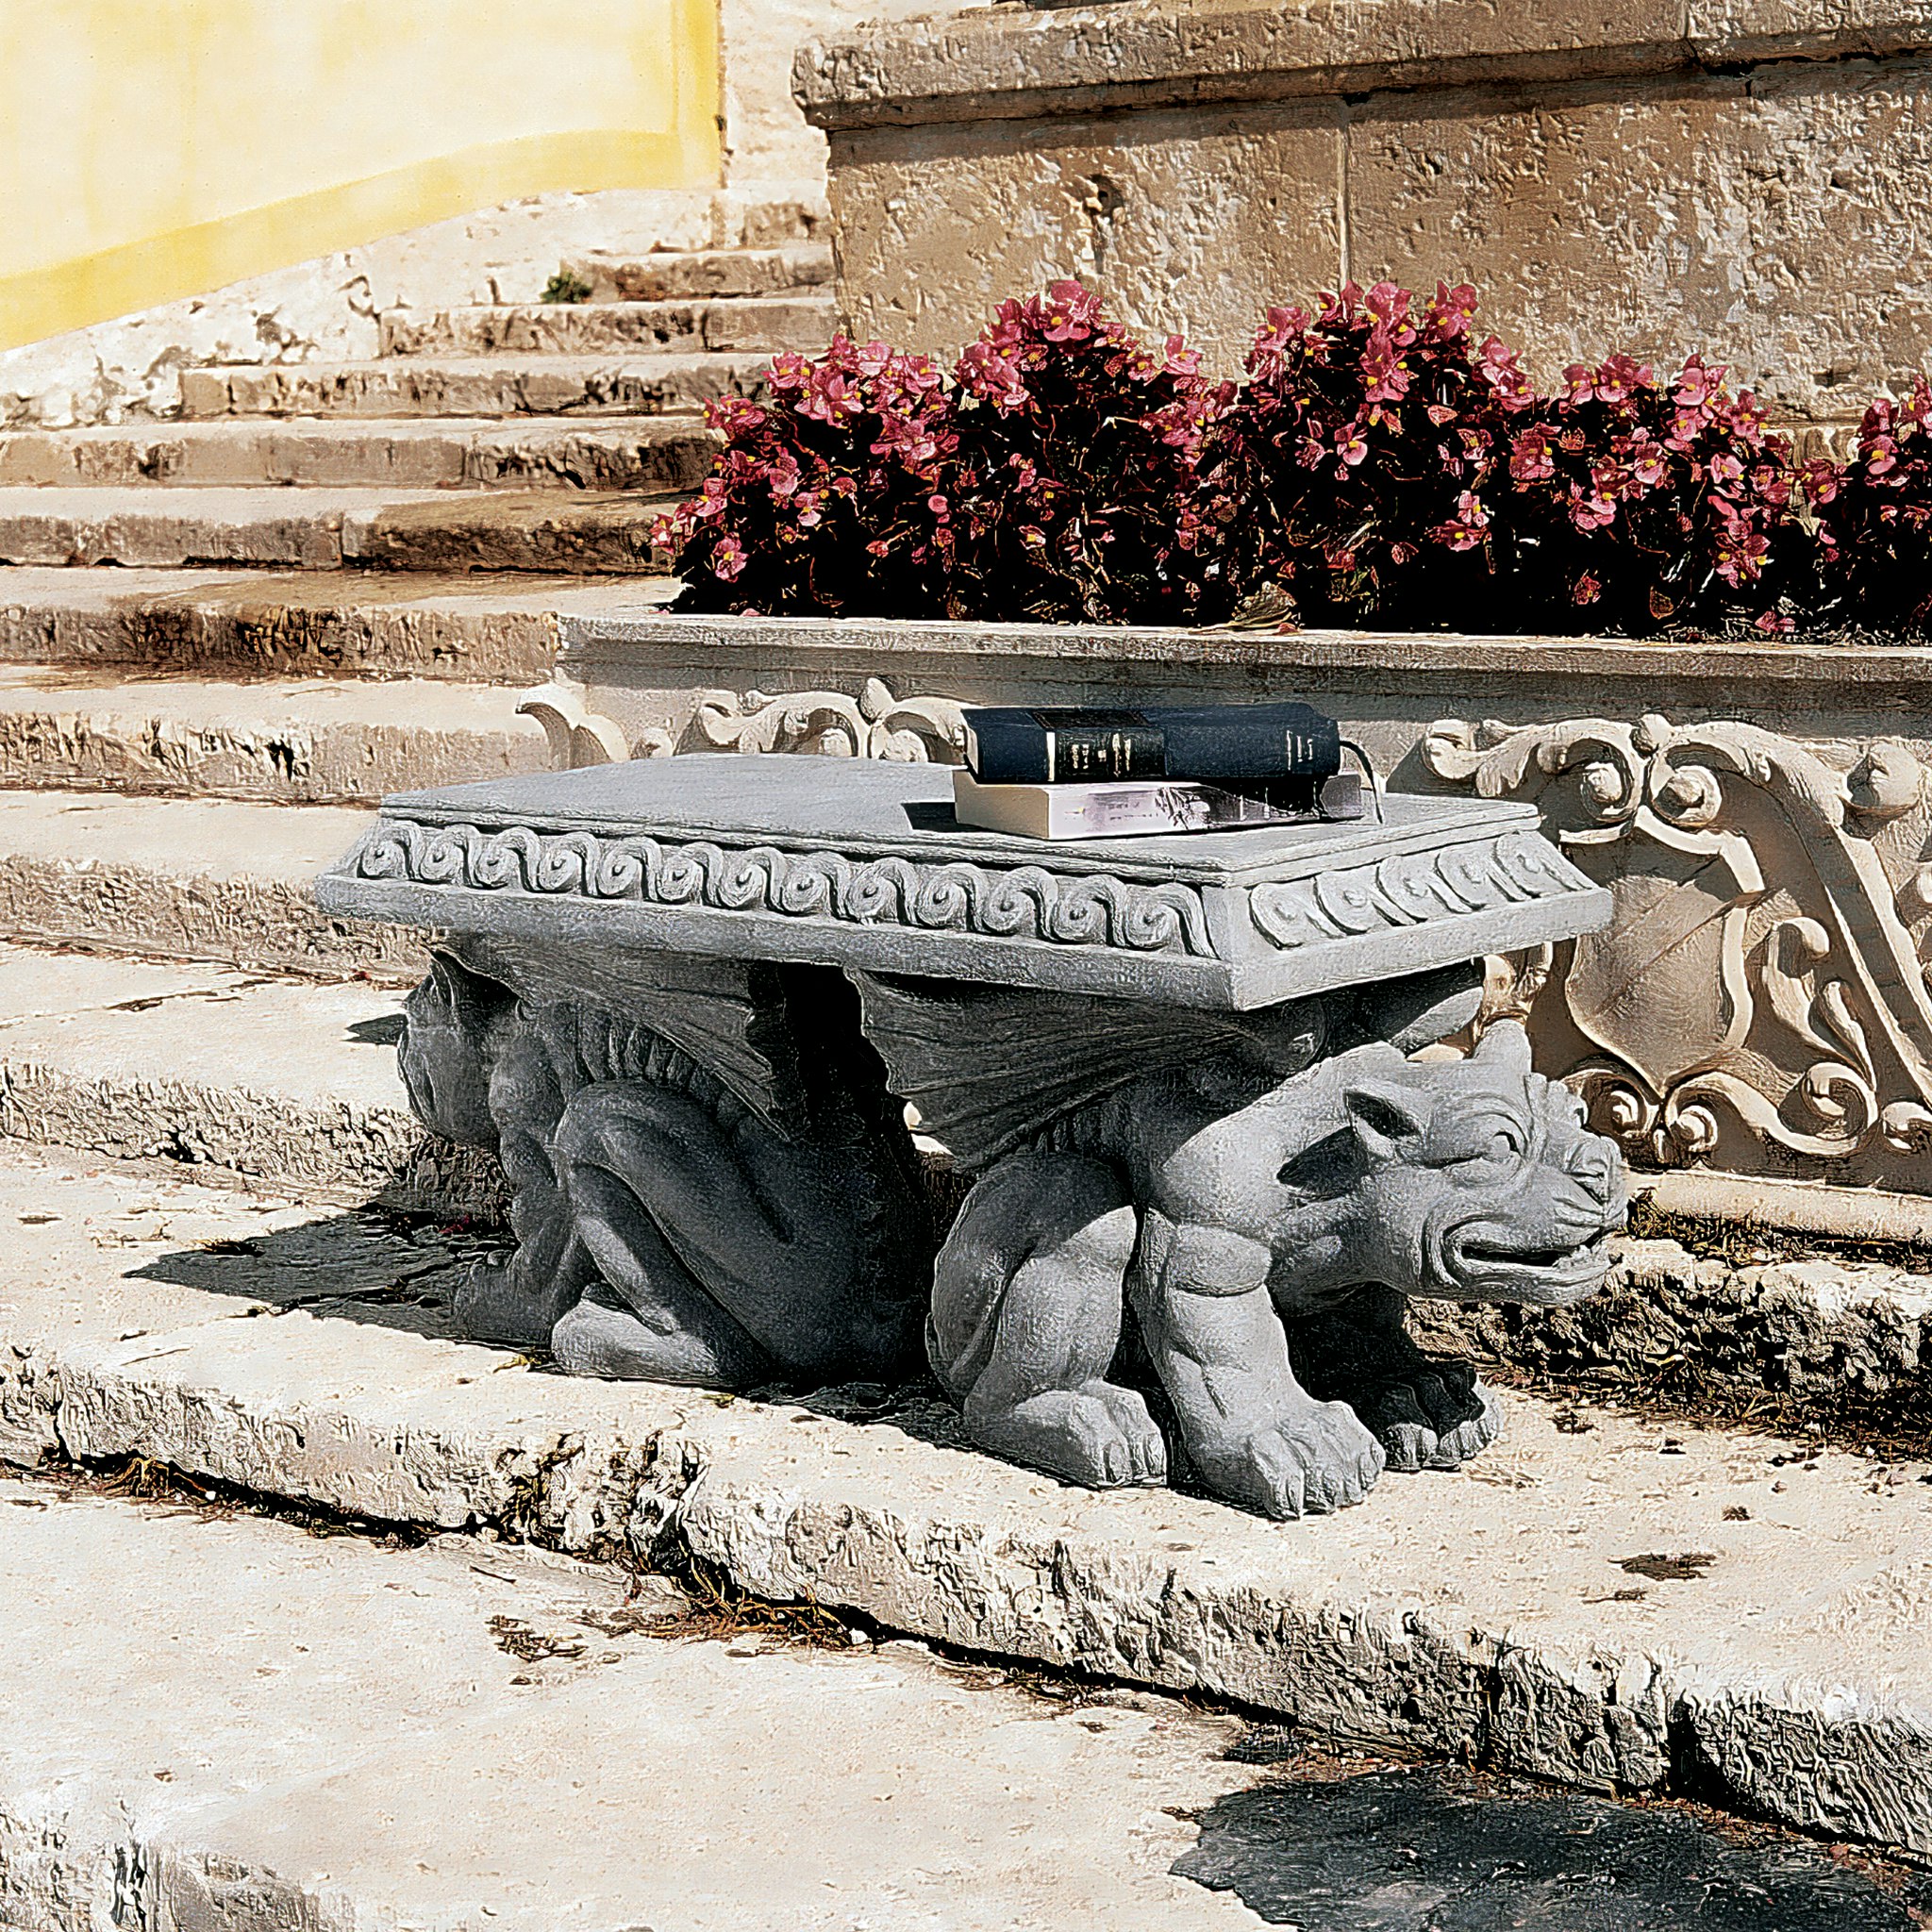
<point>874,725</point>
<point>1761,999</point>
<point>1024,901</point>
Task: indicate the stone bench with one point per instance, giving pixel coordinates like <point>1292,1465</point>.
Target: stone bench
<point>687,1000</point>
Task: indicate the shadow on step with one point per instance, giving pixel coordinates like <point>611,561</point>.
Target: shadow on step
<point>373,1264</point>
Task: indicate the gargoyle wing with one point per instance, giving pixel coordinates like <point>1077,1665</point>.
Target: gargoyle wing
<point>758,1028</point>
<point>991,1068</point>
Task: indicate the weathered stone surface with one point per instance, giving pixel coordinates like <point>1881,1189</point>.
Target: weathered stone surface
<point>860,864</point>
<point>260,1728</point>
<point>546,530</point>
<point>644,452</point>
<point>1195,224</point>
<point>1739,179</point>
<point>500,385</point>
<point>1734,220</point>
<point>324,741</point>
<point>1537,1609</point>
<point>290,1085</point>
<point>173,527</point>
<point>1832,1339</point>
<point>471,627</point>
<point>761,325</point>
<point>189,879</point>
<point>617,278</point>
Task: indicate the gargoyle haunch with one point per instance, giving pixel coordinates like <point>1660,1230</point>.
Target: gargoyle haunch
<point>1188,1246</point>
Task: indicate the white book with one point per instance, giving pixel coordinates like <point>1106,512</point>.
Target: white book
<point>1135,807</point>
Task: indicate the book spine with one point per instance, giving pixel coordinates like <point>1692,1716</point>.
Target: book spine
<point>1220,744</point>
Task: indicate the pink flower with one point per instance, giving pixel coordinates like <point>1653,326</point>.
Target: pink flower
<point>1351,446</point>
<point>728,559</point>
<point>1070,312</point>
<point>1530,461</point>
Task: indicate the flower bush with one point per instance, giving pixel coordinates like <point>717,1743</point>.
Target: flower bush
<point>1052,476</point>
<point>1382,461</point>
<point>1875,517</point>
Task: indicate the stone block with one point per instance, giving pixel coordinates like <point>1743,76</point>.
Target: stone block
<point>1775,227</point>
<point>1195,223</point>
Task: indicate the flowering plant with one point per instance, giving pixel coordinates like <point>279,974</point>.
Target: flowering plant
<point>826,498</point>
<point>1075,488</point>
<point>1051,476</point>
<point>1362,450</point>
<point>1380,461</point>
<point>1875,517</point>
<point>1649,504</point>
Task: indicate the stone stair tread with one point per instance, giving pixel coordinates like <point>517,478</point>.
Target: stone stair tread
<point>469,625</point>
<point>365,452</point>
<point>286,1083</point>
<point>501,384</point>
<point>765,323</point>
<point>227,880</point>
<point>305,741</point>
<point>361,1746</point>
<point>1614,1603</point>
<point>163,527</point>
<point>616,276</point>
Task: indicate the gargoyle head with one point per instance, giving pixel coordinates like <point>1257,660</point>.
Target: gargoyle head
<point>447,1049</point>
<point>1479,1180</point>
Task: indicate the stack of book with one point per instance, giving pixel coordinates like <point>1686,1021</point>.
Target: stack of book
<point>1070,774</point>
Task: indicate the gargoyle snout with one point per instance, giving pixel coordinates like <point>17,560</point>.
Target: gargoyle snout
<point>1597,1169</point>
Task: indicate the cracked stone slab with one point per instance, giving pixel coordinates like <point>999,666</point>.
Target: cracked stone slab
<point>256,1728</point>
<point>1610,1607</point>
<point>499,385</point>
<point>286,1084</point>
<point>643,452</point>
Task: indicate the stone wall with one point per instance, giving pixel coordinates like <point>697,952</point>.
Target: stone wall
<point>1743,177</point>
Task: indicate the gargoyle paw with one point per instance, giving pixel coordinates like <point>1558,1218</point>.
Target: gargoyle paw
<point>1317,1459</point>
<point>1433,1419</point>
<point>1098,1435</point>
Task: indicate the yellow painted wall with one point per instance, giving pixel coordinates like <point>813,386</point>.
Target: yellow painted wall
<point>151,149</point>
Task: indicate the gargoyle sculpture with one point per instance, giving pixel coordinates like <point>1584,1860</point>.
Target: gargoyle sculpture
<point>710,1184</point>
<point>1220,1217</point>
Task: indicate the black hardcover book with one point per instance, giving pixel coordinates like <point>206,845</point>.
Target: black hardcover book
<point>1065,746</point>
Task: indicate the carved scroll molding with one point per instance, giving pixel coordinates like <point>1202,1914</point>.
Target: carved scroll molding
<point>874,725</point>
<point>1413,888</point>
<point>1023,901</point>
<point>1760,1000</point>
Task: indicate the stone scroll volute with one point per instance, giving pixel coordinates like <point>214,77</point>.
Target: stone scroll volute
<point>1760,1003</point>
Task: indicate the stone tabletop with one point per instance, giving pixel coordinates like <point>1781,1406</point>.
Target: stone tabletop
<point>862,865</point>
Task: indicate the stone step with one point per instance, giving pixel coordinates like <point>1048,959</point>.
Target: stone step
<point>159,527</point>
<point>721,271</point>
<point>469,627</point>
<point>618,384</point>
<point>763,323</point>
<point>256,1728</point>
<point>283,1084</point>
<point>178,879</point>
<point>1597,1600</point>
<point>320,741</point>
<point>629,453</point>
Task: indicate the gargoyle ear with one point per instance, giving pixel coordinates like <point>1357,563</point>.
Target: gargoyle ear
<point>1386,1117</point>
<point>1505,1046</point>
